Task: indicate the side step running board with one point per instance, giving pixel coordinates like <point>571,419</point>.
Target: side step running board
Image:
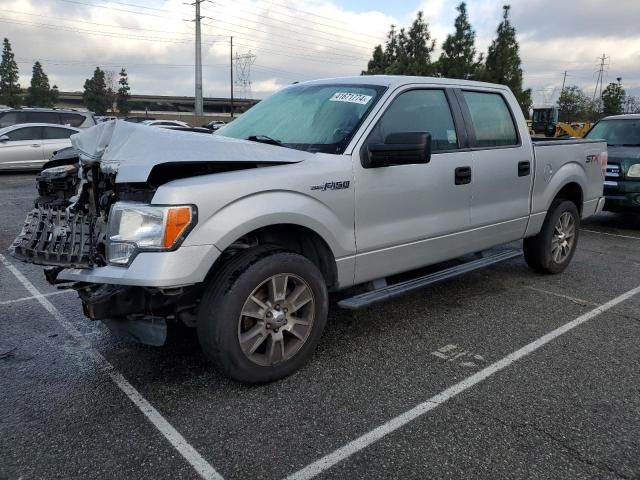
<point>392,291</point>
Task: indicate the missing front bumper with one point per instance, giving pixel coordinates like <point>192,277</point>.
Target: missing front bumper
<point>57,237</point>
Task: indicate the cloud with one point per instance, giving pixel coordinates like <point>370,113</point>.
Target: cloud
<point>301,40</point>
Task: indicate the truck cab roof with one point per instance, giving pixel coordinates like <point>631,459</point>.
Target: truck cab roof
<point>400,80</point>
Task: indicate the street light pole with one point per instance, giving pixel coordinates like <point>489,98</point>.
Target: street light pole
<point>199,107</point>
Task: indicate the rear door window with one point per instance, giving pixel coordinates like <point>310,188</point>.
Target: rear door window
<point>54,133</point>
<point>491,119</point>
<point>26,133</point>
<point>42,117</point>
<point>420,111</point>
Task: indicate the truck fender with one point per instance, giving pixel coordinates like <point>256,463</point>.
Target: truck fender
<point>264,209</point>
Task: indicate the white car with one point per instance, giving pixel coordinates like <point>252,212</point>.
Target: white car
<point>27,146</point>
<point>165,123</point>
<point>215,125</point>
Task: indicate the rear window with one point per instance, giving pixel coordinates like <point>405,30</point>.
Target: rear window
<point>491,119</point>
<point>71,119</point>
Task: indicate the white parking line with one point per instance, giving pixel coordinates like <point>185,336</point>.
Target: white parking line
<point>190,454</point>
<point>35,297</point>
<point>394,424</point>
<point>610,234</point>
<point>579,301</point>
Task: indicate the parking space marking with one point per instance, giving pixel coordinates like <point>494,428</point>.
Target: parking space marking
<point>452,353</point>
<point>403,419</point>
<point>35,297</point>
<point>579,301</point>
<point>190,454</point>
<point>610,234</point>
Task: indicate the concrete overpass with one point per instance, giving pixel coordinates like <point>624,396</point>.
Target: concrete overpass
<point>166,103</point>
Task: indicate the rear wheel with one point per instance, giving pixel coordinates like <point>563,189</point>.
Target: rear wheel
<point>553,248</point>
<point>262,316</point>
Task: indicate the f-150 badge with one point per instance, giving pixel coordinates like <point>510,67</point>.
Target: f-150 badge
<point>332,185</point>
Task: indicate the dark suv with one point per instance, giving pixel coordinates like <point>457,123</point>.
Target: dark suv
<point>622,183</point>
<point>60,116</point>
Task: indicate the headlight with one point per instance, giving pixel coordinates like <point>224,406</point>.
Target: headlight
<point>135,227</point>
<point>634,170</point>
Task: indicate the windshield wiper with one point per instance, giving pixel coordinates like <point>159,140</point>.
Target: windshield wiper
<point>624,144</point>
<point>264,139</point>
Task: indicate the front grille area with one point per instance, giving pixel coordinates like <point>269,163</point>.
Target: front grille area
<point>56,236</point>
<point>613,171</point>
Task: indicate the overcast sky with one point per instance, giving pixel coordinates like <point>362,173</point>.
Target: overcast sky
<point>305,39</point>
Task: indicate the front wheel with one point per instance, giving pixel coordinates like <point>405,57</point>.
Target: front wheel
<point>553,248</point>
<point>262,316</point>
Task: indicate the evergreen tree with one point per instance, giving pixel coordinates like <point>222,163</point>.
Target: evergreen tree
<point>613,98</point>
<point>9,86</point>
<point>458,50</point>
<point>503,64</point>
<point>573,105</point>
<point>123,93</point>
<point>405,52</point>
<point>39,94</point>
<point>419,48</point>
<point>95,96</point>
<point>377,64</point>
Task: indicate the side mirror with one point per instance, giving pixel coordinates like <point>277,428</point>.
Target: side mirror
<point>4,138</point>
<point>399,149</point>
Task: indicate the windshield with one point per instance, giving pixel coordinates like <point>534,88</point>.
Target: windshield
<point>617,132</point>
<point>315,118</point>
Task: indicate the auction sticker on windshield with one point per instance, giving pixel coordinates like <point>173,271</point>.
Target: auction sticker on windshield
<point>350,98</point>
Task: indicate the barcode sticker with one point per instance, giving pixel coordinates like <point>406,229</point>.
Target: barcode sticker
<point>351,98</point>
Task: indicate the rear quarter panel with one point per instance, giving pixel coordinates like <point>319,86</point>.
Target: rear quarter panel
<point>559,163</point>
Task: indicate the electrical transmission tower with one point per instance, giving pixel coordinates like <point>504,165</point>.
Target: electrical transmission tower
<point>600,72</point>
<point>243,64</point>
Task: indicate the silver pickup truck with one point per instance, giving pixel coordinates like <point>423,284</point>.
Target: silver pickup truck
<point>324,186</point>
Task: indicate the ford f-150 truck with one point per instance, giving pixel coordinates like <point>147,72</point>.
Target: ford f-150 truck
<point>324,186</point>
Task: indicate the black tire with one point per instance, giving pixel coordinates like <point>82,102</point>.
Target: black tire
<point>219,314</point>
<point>538,249</point>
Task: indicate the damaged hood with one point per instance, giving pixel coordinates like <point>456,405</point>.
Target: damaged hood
<point>132,150</point>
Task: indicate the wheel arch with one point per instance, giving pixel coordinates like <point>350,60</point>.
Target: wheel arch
<point>573,192</point>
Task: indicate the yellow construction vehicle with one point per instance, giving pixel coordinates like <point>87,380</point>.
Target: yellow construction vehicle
<point>545,122</point>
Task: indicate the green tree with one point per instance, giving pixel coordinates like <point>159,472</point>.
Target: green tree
<point>377,64</point>
<point>39,93</point>
<point>458,58</point>
<point>503,64</point>
<point>95,95</point>
<point>405,52</point>
<point>613,98</point>
<point>55,94</point>
<point>573,105</point>
<point>123,97</point>
<point>9,86</point>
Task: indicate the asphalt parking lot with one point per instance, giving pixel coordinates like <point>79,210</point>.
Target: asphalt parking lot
<point>496,397</point>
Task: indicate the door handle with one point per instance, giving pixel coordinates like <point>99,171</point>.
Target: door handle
<point>524,168</point>
<point>35,145</point>
<point>463,175</point>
